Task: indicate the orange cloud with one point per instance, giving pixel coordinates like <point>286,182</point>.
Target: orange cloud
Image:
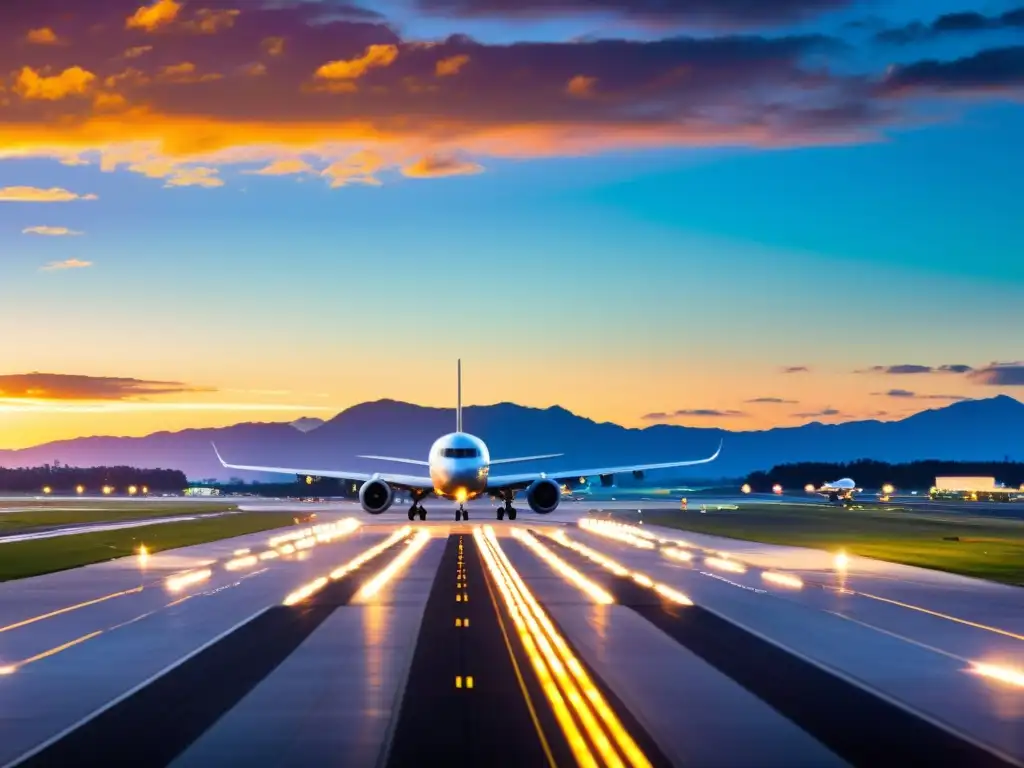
<point>109,102</point>
<point>195,177</point>
<point>209,22</point>
<point>50,231</point>
<point>37,195</point>
<point>152,17</point>
<point>352,69</point>
<point>42,36</point>
<point>410,111</point>
<point>73,81</point>
<point>581,86</point>
<point>176,175</point>
<point>62,386</point>
<point>451,65</point>
<point>255,69</point>
<point>185,72</point>
<point>57,266</point>
<point>436,166</point>
<point>357,168</point>
<point>284,168</point>
<point>274,46</point>
<point>138,50</point>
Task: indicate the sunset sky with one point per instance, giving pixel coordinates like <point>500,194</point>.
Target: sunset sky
<point>705,212</point>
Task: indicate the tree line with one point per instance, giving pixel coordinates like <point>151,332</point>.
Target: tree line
<point>868,473</point>
<point>63,479</point>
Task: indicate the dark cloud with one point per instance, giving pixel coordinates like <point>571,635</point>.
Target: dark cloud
<point>906,369</point>
<point>1000,375</point>
<point>824,412</point>
<point>58,386</point>
<point>796,369</point>
<point>907,394</point>
<point>692,412</point>
<point>729,13</point>
<point>951,23</point>
<point>990,71</point>
<point>773,400</point>
<point>250,86</point>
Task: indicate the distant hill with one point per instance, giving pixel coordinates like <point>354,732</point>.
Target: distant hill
<point>973,430</point>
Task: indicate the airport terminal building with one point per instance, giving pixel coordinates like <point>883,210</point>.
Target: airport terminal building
<point>973,489</point>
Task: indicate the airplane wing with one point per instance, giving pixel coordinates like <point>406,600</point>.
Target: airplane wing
<point>401,482</point>
<point>504,482</point>
<point>524,459</point>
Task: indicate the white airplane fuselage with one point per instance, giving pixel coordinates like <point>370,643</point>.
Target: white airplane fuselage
<point>459,464</point>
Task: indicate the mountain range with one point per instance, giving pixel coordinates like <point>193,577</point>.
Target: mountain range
<point>975,430</point>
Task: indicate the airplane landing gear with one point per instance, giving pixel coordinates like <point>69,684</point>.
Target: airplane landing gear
<point>461,513</point>
<point>415,510</point>
<point>508,509</point>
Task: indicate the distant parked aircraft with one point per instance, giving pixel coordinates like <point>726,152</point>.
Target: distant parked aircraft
<point>840,490</point>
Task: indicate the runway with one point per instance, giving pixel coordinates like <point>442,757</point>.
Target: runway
<point>376,642</point>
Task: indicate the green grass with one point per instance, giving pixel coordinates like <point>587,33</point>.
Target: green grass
<point>988,547</point>
<point>49,515</point>
<point>31,558</point>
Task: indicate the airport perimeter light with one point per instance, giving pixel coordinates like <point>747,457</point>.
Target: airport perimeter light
<point>47,490</point>
<point>79,489</point>
<point>888,489</point>
<point>745,488</point>
<point>777,489</point>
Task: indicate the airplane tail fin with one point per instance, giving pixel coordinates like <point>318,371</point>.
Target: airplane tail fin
<point>458,408</point>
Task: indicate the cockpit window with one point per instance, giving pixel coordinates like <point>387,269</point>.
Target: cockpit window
<point>460,453</point>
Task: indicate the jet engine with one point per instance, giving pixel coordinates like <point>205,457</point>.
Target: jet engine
<point>543,496</point>
<point>376,496</point>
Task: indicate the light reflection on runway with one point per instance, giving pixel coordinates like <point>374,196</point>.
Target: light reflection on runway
<point>947,670</point>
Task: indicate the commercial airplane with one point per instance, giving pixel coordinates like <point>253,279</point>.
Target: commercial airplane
<point>458,468</point>
<point>840,490</point>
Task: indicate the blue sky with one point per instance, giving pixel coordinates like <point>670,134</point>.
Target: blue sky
<point>581,232</point>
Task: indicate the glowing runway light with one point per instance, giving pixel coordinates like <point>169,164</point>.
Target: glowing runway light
<point>842,561</point>
<point>603,560</point>
<point>303,592</point>
<point>178,583</point>
<point>723,564</point>
<point>782,579</point>
<point>241,562</point>
<point>671,594</point>
<point>374,585</point>
<point>372,552</point>
<point>607,563</point>
<point>678,554</point>
<point>1000,673</point>
<point>577,689</point>
<point>559,565</point>
<point>624,533</point>
<point>643,580</point>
